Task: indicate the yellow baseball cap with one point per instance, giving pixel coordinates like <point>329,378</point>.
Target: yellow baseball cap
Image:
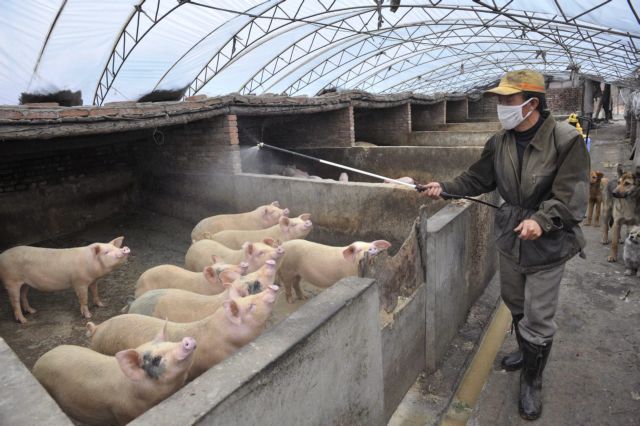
<point>519,81</point>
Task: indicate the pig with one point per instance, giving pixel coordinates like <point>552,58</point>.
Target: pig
<point>287,229</point>
<point>97,389</point>
<point>254,254</point>
<point>47,269</point>
<point>322,265</point>
<point>234,324</point>
<point>170,276</point>
<point>260,218</point>
<point>184,306</point>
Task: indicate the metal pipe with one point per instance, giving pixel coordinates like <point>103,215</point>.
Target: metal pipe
<point>418,187</point>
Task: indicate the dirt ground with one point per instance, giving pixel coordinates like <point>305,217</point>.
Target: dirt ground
<point>153,239</point>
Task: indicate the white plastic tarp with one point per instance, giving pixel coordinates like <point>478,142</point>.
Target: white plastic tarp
<point>123,49</point>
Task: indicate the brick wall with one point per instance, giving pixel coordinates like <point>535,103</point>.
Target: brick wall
<point>54,187</point>
<point>484,109</point>
<point>209,146</point>
<point>330,128</point>
<point>457,111</point>
<point>383,126</point>
<point>423,117</point>
<point>563,101</point>
<point>22,171</point>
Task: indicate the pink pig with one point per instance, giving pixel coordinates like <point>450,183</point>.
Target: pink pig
<point>97,389</point>
<point>254,254</point>
<point>322,265</point>
<point>232,326</point>
<point>170,276</point>
<point>260,218</point>
<point>184,306</point>
<point>286,229</point>
<point>47,269</point>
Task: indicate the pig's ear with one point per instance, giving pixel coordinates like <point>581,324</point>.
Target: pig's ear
<point>284,221</point>
<point>117,242</point>
<point>381,244</point>
<point>349,253</point>
<point>248,247</point>
<point>275,204</point>
<point>268,241</point>
<point>129,362</point>
<point>233,312</point>
<point>95,249</point>
<point>210,275</point>
<point>305,216</point>
<point>228,276</point>
<point>162,334</point>
<point>216,259</point>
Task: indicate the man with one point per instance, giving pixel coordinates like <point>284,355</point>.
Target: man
<point>541,169</point>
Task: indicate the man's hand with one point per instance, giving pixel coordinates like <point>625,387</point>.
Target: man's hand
<point>432,190</point>
<point>529,230</point>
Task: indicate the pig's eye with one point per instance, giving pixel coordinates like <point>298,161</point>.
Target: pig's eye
<point>261,253</point>
<point>156,361</point>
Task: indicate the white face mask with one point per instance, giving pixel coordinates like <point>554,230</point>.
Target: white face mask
<point>510,116</point>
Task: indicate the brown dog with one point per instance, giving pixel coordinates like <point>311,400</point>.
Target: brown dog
<point>621,207</point>
<point>596,188</point>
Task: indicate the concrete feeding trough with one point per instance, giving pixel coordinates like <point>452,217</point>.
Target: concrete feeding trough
<point>359,344</point>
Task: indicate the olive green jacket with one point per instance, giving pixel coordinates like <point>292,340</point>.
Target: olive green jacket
<point>552,190</point>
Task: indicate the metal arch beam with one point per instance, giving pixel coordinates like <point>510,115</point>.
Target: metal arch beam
<point>356,70</point>
<point>46,40</point>
<point>424,79</point>
<point>442,77</point>
<point>479,72</point>
<point>442,71</point>
<point>260,78</point>
<point>116,59</point>
<point>397,67</point>
<point>342,57</point>
<point>227,52</point>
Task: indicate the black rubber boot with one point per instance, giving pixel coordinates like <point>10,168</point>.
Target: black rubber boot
<point>513,361</point>
<point>535,359</point>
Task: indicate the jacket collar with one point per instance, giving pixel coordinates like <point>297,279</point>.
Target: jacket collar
<point>543,136</point>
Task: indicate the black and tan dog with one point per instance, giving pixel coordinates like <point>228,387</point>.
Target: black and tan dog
<point>621,207</point>
<point>596,190</point>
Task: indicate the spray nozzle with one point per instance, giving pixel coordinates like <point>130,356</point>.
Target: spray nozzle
<point>260,145</point>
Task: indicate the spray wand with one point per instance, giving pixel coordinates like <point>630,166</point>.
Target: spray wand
<point>417,187</point>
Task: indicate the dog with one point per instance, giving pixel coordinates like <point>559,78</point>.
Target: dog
<point>621,207</point>
<point>596,189</point>
<point>631,254</point>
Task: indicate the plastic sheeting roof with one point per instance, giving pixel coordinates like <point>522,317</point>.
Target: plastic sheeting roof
<point>123,49</point>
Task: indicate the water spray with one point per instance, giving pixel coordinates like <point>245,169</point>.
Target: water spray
<point>417,187</point>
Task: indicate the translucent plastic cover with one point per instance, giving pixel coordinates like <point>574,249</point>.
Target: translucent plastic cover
<point>125,49</point>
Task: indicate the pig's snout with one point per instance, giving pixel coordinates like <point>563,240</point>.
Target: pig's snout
<point>188,346</point>
<point>244,266</point>
<point>271,263</point>
<point>285,212</point>
<point>279,251</point>
<point>274,287</point>
<point>126,250</point>
<point>373,250</point>
<point>308,224</point>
